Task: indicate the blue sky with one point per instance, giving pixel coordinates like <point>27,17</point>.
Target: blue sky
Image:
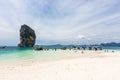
<point>61,21</point>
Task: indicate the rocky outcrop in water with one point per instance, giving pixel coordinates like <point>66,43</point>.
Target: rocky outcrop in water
<point>27,36</point>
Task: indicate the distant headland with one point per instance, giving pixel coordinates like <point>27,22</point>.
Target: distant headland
<point>112,44</point>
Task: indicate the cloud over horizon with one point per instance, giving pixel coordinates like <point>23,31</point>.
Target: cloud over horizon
<point>61,21</point>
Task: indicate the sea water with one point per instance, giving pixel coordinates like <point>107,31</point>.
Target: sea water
<point>15,54</point>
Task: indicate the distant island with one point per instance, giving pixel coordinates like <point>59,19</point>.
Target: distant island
<point>112,44</point>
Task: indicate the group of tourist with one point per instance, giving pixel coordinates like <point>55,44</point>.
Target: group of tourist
<point>73,48</point>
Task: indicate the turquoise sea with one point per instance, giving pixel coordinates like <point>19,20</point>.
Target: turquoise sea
<point>15,54</point>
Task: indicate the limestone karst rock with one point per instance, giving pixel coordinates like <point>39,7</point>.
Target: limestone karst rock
<point>27,36</point>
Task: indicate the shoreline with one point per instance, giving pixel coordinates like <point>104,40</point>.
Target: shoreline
<point>88,55</point>
<point>98,66</point>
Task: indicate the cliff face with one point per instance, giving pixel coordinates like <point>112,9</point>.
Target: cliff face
<point>27,36</point>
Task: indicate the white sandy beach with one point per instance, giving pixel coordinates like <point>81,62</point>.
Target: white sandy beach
<point>98,66</point>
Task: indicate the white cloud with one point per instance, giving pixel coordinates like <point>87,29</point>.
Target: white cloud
<point>81,37</point>
<point>61,21</point>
